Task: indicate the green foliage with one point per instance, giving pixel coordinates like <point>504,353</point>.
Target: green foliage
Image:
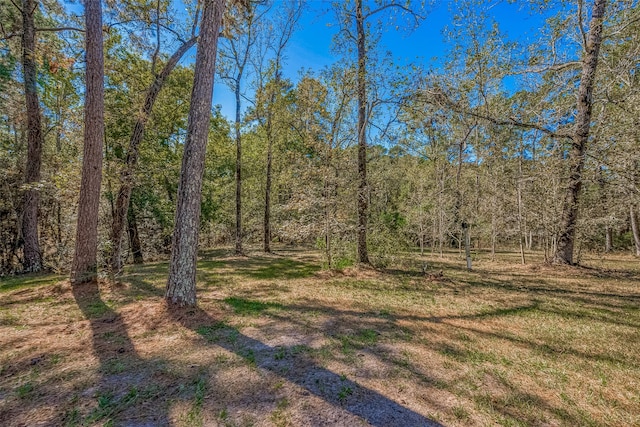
<point>109,405</point>
<point>217,331</point>
<point>345,391</point>
<point>96,309</point>
<point>27,281</point>
<point>248,307</point>
<point>25,390</point>
<point>195,416</point>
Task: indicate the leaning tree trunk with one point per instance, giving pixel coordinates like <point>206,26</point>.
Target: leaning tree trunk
<point>35,140</point>
<point>363,201</point>
<point>85,259</point>
<point>181,284</point>
<point>635,229</point>
<point>127,175</point>
<point>564,250</point>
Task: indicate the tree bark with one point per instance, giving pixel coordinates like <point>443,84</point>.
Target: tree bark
<point>85,259</point>
<point>566,240</point>
<point>134,237</point>
<point>521,234</point>
<point>267,191</point>
<point>238,168</point>
<point>269,165</point>
<point>635,229</point>
<point>181,284</point>
<point>281,38</point>
<point>467,244</point>
<point>127,174</point>
<point>363,201</point>
<point>608,239</point>
<point>35,140</point>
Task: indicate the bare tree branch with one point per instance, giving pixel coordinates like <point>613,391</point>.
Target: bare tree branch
<point>154,58</point>
<point>583,35</point>
<point>416,17</point>
<point>16,5</point>
<point>550,67</point>
<point>442,99</point>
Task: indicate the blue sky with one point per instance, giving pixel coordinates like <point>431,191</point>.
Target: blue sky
<point>310,47</point>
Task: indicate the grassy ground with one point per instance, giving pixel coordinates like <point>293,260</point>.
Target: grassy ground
<point>278,342</point>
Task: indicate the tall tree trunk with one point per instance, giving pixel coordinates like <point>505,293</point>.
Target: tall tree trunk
<point>59,128</point>
<point>467,244</point>
<point>281,37</point>
<point>134,237</point>
<point>267,191</point>
<point>608,239</point>
<point>564,250</point>
<point>363,200</point>
<point>463,237</point>
<point>85,258</point>
<point>635,229</point>
<point>521,233</point>
<point>521,236</point>
<point>458,202</point>
<point>181,284</point>
<point>269,166</point>
<point>127,174</point>
<point>238,168</point>
<point>327,212</point>
<point>441,211</point>
<point>35,140</point>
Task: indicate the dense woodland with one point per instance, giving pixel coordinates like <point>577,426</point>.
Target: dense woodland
<point>529,144</point>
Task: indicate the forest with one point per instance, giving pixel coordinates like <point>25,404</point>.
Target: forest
<point>197,227</point>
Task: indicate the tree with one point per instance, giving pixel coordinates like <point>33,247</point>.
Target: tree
<point>236,53</point>
<point>35,140</point>
<point>360,15</point>
<point>270,87</point>
<point>126,177</point>
<point>635,229</point>
<point>84,266</point>
<point>131,14</point>
<point>564,251</point>
<point>181,284</point>
<point>363,254</point>
<point>554,110</point>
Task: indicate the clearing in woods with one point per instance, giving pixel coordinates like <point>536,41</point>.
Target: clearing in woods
<point>278,341</point>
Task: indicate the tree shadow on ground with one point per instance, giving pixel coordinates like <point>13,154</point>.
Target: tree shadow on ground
<point>126,379</point>
<point>254,267</point>
<point>267,268</point>
<point>355,332</point>
<point>525,306</point>
<point>301,370</point>
<point>344,394</point>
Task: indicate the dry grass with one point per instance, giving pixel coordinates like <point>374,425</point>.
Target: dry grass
<point>277,342</point>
